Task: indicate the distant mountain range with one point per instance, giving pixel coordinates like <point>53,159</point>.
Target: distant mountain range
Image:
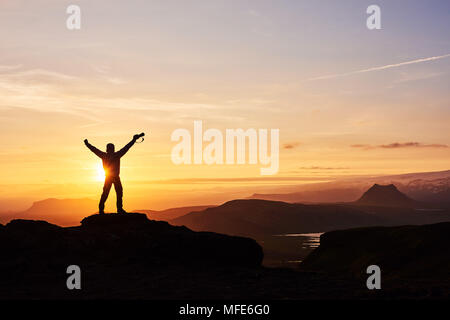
<point>342,204</point>
<point>433,187</point>
<point>380,205</point>
<point>64,212</point>
<point>69,212</point>
<point>172,213</point>
<point>437,190</point>
<point>258,218</point>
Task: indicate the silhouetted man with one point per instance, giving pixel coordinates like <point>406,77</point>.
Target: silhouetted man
<point>111,165</point>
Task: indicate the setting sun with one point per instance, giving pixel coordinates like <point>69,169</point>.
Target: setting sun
<point>100,173</point>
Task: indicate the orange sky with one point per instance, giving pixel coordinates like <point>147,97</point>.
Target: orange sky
<point>381,108</point>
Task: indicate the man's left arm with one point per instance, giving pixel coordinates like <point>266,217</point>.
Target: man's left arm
<point>127,147</point>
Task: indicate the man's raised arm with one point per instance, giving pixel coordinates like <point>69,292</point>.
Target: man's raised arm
<point>97,152</point>
<point>127,147</point>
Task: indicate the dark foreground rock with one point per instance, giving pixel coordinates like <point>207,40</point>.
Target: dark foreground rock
<point>121,238</point>
<point>131,257</point>
<point>414,258</point>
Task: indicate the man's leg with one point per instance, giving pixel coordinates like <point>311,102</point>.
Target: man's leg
<point>119,194</point>
<point>106,188</point>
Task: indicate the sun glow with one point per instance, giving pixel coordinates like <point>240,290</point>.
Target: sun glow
<point>100,173</point>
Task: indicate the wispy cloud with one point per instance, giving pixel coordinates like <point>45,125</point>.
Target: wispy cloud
<point>323,168</point>
<point>415,77</point>
<point>41,74</point>
<point>230,180</point>
<point>389,66</point>
<point>104,72</point>
<point>291,145</point>
<point>7,68</point>
<point>398,145</point>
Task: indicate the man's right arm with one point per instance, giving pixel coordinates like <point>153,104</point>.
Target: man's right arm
<point>97,152</point>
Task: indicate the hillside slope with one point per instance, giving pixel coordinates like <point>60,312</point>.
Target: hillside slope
<point>262,217</point>
<point>420,252</point>
<point>172,213</point>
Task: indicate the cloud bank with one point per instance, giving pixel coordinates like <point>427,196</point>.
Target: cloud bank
<point>399,145</point>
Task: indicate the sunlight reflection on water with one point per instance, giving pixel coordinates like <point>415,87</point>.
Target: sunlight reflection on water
<point>311,240</point>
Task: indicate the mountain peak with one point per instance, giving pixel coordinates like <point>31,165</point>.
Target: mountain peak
<point>386,195</point>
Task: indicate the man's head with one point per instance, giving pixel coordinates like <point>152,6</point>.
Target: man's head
<point>110,148</point>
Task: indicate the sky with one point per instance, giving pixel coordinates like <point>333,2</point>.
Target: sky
<point>347,100</point>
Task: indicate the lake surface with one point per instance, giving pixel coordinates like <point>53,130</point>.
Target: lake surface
<point>288,250</point>
<point>308,240</point>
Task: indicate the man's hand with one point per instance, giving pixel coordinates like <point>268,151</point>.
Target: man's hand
<point>137,136</point>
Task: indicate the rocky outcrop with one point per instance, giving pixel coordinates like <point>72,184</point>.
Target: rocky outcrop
<point>118,239</point>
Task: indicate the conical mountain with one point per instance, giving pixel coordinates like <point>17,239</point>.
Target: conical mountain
<point>387,196</point>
